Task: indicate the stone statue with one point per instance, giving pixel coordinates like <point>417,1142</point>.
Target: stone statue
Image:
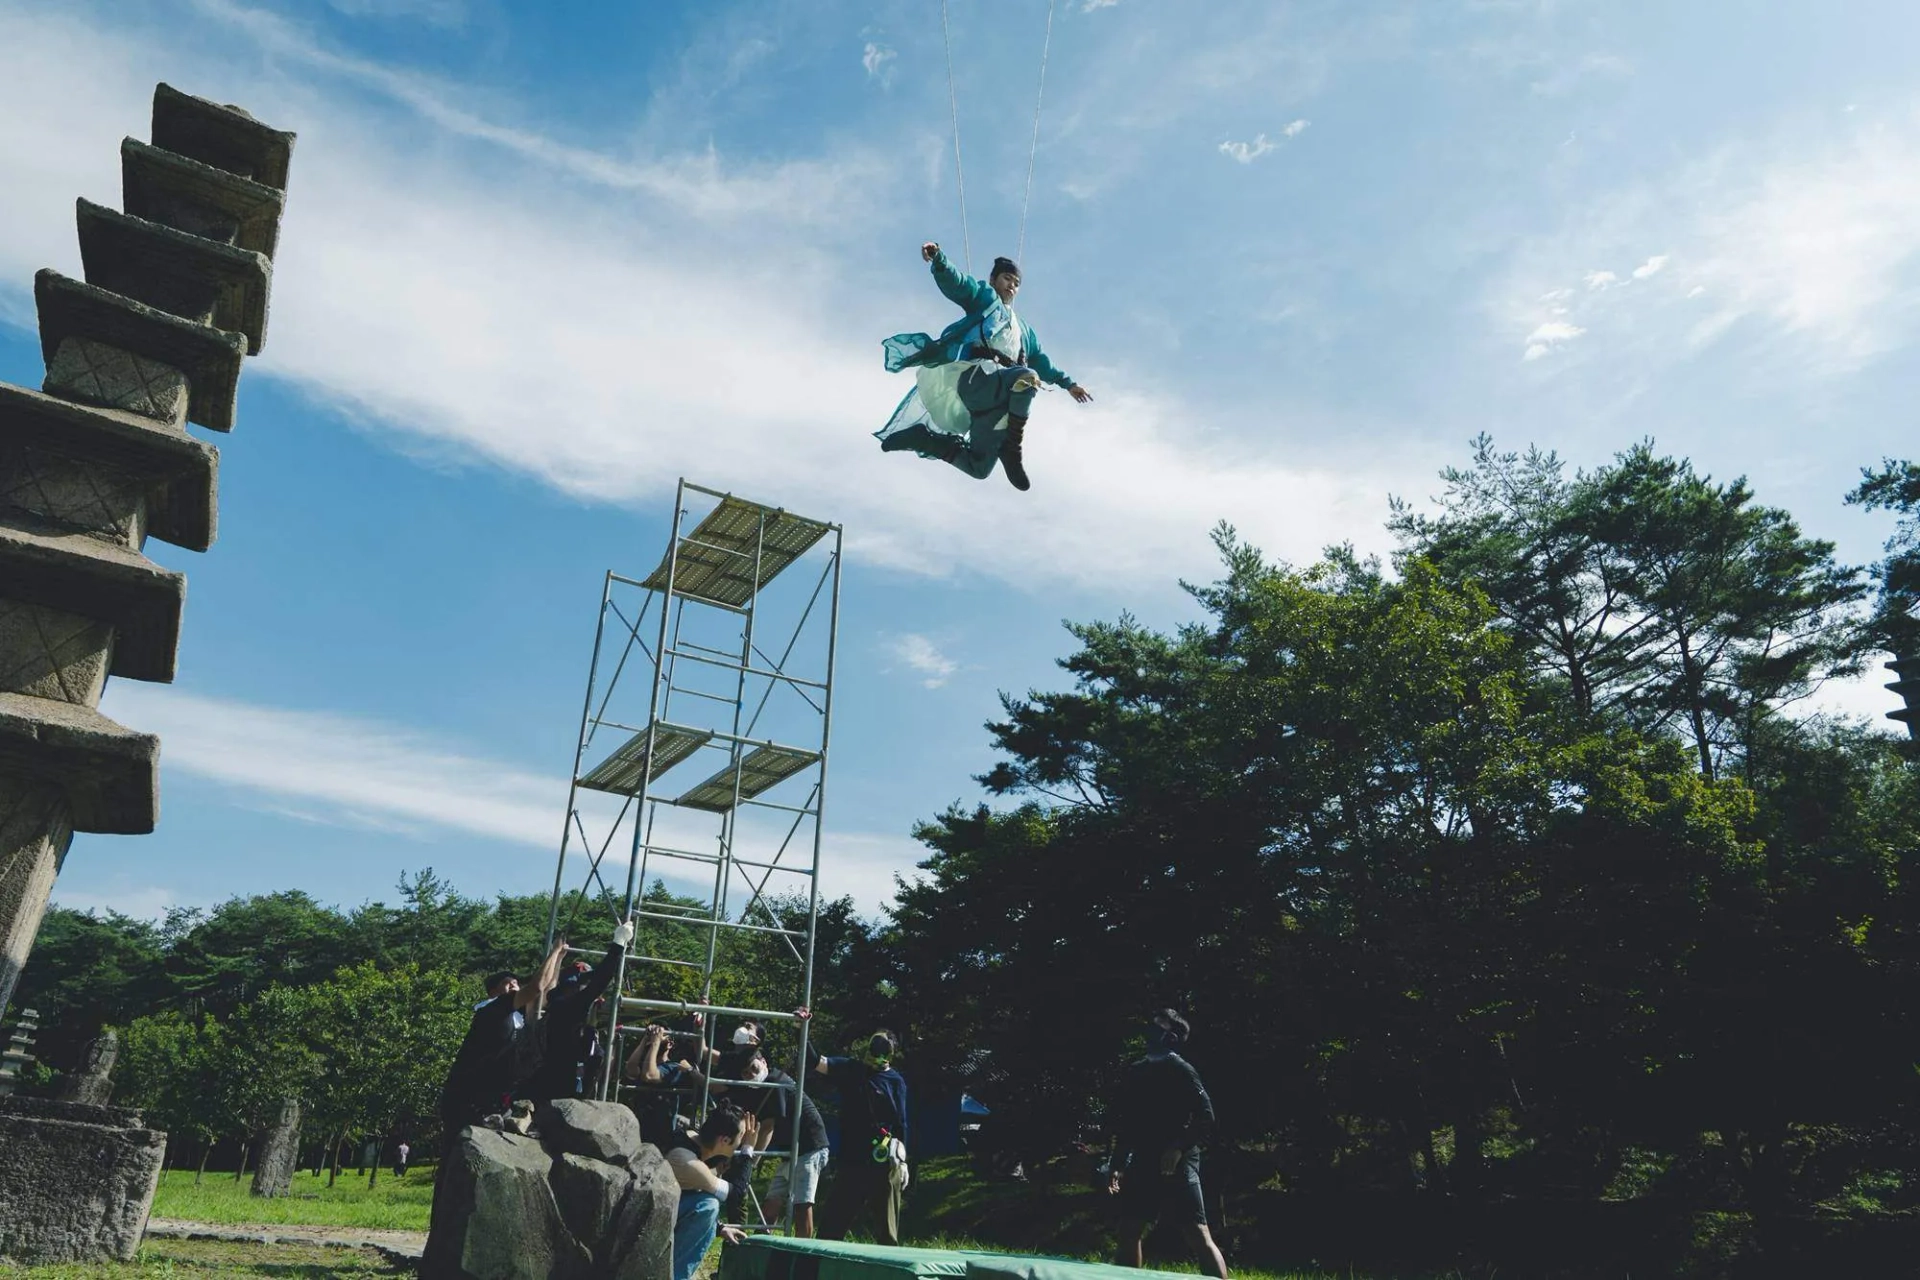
<point>94,1081</point>
<point>279,1153</point>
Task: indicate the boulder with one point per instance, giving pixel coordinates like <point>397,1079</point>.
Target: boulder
<point>597,1130</point>
<point>643,1229</point>
<point>507,1207</point>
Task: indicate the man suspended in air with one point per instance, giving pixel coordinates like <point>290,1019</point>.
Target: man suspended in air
<point>975,383</point>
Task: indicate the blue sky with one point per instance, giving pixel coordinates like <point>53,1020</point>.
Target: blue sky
<point>541,260</point>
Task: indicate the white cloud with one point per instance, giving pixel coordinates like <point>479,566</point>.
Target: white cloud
<point>1804,238</point>
<point>1600,279</point>
<point>875,60</point>
<point>1550,336</point>
<point>480,294</point>
<point>921,655</point>
<point>1246,152</point>
<point>1295,128</point>
<point>437,13</point>
<point>1088,6</point>
<point>338,768</point>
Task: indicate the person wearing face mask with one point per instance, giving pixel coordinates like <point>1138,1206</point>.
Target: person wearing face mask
<point>800,1171</point>
<point>1160,1117</point>
<point>975,384</point>
<point>873,1173</point>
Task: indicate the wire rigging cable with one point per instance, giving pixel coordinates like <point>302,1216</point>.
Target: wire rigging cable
<point>1020,254</point>
<point>953,102</point>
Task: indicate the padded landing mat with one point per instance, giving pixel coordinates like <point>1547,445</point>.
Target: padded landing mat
<point>778,1258</point>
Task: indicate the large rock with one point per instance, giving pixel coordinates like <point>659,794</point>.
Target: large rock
<point>76,1181</point>
<point>597,1130</point>
<point>512,1208</point>
<point>643,1229</point>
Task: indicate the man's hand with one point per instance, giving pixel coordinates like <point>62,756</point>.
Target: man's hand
<point>732,1234</point>
<point>1113,1183</point>
<point>623,933</point>
<point>1080,393</point>
<point>750,1131</point>
<point>927,251</point>
<point>803,1013</point>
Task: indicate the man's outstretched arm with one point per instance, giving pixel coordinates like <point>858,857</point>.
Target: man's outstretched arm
<point>961,289</point>
<point>1040,363</point>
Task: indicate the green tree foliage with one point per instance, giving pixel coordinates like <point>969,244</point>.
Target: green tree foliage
<point>1652,591</point>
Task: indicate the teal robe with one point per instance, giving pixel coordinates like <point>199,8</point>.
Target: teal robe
<point>934,403</point>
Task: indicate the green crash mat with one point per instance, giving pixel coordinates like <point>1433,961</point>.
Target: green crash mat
<point>780,1258</point>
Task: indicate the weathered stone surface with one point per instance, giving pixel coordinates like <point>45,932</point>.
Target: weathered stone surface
<point>107,773</point>
<point>186,275</point>
<point>74,495</point>
<point>222,136</point>
<point>188,195</point>
<point>590,1193</point>
<point>495,1216</point>
<point>48,653</point>
<point>92,1084</point>
<point>509,1207</point>
<point>96,579</point>
<point>279,1153</point>
<point>36,826</point>
<point>599,1130</point>
<point>99,373</point>
<point>76,1183</point>
<point>643,1229</point>
<point>176,473</point>
<point>209,357</point>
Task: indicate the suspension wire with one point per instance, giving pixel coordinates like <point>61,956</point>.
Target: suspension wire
<point>1020,254</point>
<point>953,103</point>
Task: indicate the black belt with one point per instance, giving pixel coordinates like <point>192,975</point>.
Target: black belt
<point>981,351</point>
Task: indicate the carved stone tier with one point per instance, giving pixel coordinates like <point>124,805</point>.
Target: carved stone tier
<point>224,137</point>
<point>76,1181</point>
<point>188,275</point>
<point>91,578</point>
<point>106,773</point>
<point>190,196</point>
<point>210,358</point>
<point>174,473</point>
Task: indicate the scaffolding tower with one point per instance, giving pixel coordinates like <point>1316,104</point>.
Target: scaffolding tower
<point>702,758</point>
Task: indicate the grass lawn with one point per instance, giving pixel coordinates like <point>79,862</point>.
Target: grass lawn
<point>395,1204</point>
<point>191,1259</point>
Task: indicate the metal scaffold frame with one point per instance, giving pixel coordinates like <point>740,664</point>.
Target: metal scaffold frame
<point>713,575</point>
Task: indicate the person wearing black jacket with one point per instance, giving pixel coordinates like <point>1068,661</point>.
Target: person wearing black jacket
<point>1160,1117</point>
<point>500,1049</point>
<point>564,1043</point>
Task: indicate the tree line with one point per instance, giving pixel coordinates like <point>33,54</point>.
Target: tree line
<point>1513,870</point>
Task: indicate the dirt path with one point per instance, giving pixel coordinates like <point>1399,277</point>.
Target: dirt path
<point>405,1244</point>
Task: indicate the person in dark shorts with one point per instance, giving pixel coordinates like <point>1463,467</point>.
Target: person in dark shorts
<point>1160,1118</point>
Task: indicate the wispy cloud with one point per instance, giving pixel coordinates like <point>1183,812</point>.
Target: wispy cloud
<point>1247,152</point>
<point>1803,237</point>
<point>1295,128</point>
<point>1549,337</point>
<point>335,768</point>
<point>920,654</point>
<point>436,13</point>
<point>1088,6</point>
<point>876,60</point>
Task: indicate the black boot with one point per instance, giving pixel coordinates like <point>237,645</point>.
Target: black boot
<point>1010,453</point>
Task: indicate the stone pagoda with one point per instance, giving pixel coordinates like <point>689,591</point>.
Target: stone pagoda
<point>92,465</point>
